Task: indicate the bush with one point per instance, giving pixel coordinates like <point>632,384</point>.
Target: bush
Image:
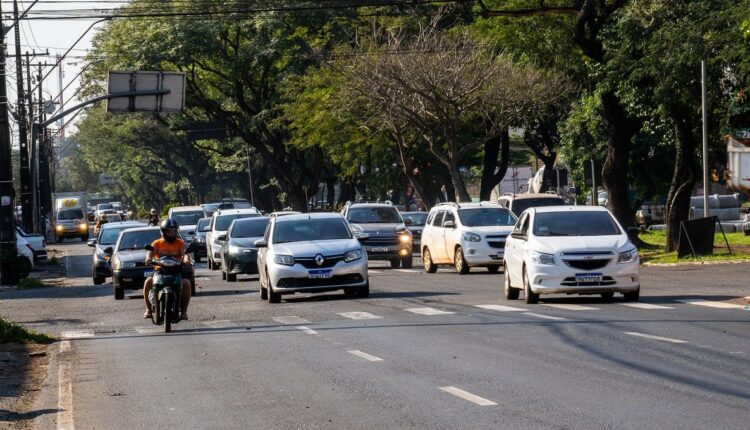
<point>29,283</point>
<point>12,332</point>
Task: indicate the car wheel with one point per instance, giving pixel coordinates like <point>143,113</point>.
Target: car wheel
<point>632,296</point>
<point>273,297</point>
<point>406,263</point>
<point>119,293</point>
<point>263,290</point>
<point>350,292</point>
<point>608,296</point>
<point>493,269</point>
<point>197,258</point>
<point>231,277</point>
<point>429,266</point>
<point>363,292</point>
<point>395,262</point>
<point>192,286</point>
<point>530,297</point>
<point>98,281</point>
<point>460,262</point>
<point>58,239</point>
<point>223,276</point>
<point>510,292</point>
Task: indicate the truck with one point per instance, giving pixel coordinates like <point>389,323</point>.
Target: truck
<point>69,218</point>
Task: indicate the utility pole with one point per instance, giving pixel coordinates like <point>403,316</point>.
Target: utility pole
<point>706,185</point>
<point>8,251</point>
<point>23,139</point>
<point>61,99</point>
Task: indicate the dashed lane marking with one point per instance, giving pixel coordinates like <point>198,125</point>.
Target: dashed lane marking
<point>364,355</point>
<point>500,308</point>
<point>290,320</point>
<point>428,311</point>
<point>547,317</point>
<point>359,315</point>
<point>65,391</point>
<point>569,307</point>
<point>306,329</point>
<point>645,306</point>
<point>149,330</point>
<point>219,323</point>
<point>650,336</point>
<point>407,270</point>
<point>473,398</point>
<point>711,304</point>
<point>80,334</point>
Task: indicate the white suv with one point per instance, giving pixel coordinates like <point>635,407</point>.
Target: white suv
<point>465,235</point>
<point>220,222</point>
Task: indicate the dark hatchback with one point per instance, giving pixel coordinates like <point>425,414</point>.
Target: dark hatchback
<point>198,245</point>
<point>238,252</point>
<point>417,225</point>
<point>129,270</point>
<point>107,238</point>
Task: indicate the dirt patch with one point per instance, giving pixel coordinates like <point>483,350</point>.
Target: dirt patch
<point>23,369</point>
<point>743,301</point>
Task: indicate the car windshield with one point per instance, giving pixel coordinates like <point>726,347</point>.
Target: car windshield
<point>109,236</point>
<point>376,215</point>
<point>486,217</point>
<point>114,217</point>
<point>210,206</point>
<point>132,240</point>
<point>68,214</point>
<point>187,218</point>
<point>202,223</point>
<point>223,221</point>
<point>417,219</point>
<point>575,224</point>
<point>249,228</point>
<point>311,229</point>
<point>103,206</point>
<point>520,205</point>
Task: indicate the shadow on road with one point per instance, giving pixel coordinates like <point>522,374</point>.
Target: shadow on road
<point>10,416</point>
<point>57,293</point>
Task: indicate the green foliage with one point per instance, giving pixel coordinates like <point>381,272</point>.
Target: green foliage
<point>31,283</point>
<point>12,332</point>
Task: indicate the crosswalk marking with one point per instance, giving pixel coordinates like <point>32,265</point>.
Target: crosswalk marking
<point>290,319</point>
<point>364,355</point>
<point>149,330</point>
<point>219,323</point>
<point>645,306</point>
<point>428,311</point>
<point>650,336</point>
<point>359,315</point>
<point>548,317</point>
<point>406,270</point>
<point>500,308</point>
<point>711,304</point>
<point>473,398</point>
<point>569,307</point>
<point>306,329</point>
<point>80,334</point>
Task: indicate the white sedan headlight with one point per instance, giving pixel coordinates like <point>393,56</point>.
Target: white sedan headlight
<point>353,255</point>
<point>630,256</point>
<point>286,260</point>
<point>472,237</point>
<point>542,258</point>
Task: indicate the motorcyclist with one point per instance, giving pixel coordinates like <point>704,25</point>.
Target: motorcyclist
<point>101,221</point>
<point>153,217</point>
<point>168,246</point>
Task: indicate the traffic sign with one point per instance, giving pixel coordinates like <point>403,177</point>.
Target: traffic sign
<point>173,83</point>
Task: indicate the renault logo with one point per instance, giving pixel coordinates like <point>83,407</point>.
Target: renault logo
<point>319,260</point>
<point>588,257</point>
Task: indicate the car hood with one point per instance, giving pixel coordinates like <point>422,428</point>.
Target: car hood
<point>244,242</point>
<point>558,244</point>
<point>311,249</point>
<point>138,255</point>
<point>379,228</point>
<point>490,230</point>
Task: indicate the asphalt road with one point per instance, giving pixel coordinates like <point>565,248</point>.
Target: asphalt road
<point>424,351</point>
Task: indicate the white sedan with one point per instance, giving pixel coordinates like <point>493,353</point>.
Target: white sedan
<point>570,250</point>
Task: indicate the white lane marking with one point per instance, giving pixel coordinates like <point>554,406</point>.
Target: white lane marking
<point>650,336</point>
<point>77,334</point>
<point>711,304</point>
<point>468,396</point>
<point>406,270</point>
<point>374,271</point>
<point>736,352</point>
<point>65,346</point>
<point>570,307</point>
<point>64,391</point>
<point>548,317</point>
<point>645,306</point>
<point>428,311</point>
<point>290,319</point>
<point>148,330</point>
<point>219,323</point>
<point>359,315</point>
<point>364,355</point>
<point>306,329</point>
<point>500,308</point>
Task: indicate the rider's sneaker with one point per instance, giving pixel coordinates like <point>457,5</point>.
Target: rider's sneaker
<point>147,314</point>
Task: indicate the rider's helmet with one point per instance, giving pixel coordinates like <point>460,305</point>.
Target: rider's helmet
<point>152,211</point>
<point>169,229</point>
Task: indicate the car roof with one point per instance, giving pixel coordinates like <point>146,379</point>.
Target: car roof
<point>206,219</point>
<point>569,208</point>
<point>533,196</point>
<point>383,205</point>
<point>121,224</point>
<point>186,209</point>
<point>253,219</point>
<point>137,229</point>
<point>241,211</point>
<point>315,215</point>
<point>414,213</point>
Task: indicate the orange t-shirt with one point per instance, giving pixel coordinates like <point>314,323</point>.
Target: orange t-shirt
<point>163,248</point>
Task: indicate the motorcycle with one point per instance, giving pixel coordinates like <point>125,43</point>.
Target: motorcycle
<point>166,292</point>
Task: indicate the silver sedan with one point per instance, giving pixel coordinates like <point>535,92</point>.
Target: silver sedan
<point>311,253</point>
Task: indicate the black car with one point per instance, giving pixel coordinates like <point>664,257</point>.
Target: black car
<point>417,225</point>
<point>238,254</point>
<point>107,238</point>
<point>198,245</point>
<point>129,270</point>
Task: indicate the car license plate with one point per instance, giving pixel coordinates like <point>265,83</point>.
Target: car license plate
<point>379,249</point>
<point>589,277</point>
<point>320,274</point>
<point>148,273</point>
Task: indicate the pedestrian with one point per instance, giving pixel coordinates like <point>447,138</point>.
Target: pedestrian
<point>444,194</point>
<point>410,200</point>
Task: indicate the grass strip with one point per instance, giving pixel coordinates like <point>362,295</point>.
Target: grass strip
<point>13,332</point>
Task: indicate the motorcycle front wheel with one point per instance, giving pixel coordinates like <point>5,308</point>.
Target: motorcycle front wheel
<point>168,312</point>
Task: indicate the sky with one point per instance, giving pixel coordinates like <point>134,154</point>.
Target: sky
<point>55,36</point>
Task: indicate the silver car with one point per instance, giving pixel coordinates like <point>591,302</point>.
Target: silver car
<point>311,253</point>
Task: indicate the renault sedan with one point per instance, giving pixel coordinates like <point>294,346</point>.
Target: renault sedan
<point>311,253</point>
<point>570,250</point>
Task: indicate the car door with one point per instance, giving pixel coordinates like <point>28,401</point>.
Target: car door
<point>450,235</point>
<point>515,248</point>
<point>427,232</point>
<point>263,252</point>
<point>436,238</point>
<point>210,235</point>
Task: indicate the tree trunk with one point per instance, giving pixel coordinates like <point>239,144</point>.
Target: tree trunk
<point>331,192</point>
<point>615,168</point>
<point>491,177</point>
<point>683,181</point>
<point>549,171</point>
<point>458,184</point>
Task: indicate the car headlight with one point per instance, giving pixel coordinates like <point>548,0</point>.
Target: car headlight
<point>471,237</point>
<point>354,254</point>
<point>128,264</point>
<point>59,228</point>
<point>542,258</point>
<point>630,256</point>
<point>286,260</point>
<point>83,226</point>
<point>405,237</point>
<point>233,249</point>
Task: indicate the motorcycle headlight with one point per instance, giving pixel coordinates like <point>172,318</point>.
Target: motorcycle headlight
<point>630,256</point>
<point>353,255</point>
<point>542,258</point>
<point>472,237</point>
<point>286,260</point>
